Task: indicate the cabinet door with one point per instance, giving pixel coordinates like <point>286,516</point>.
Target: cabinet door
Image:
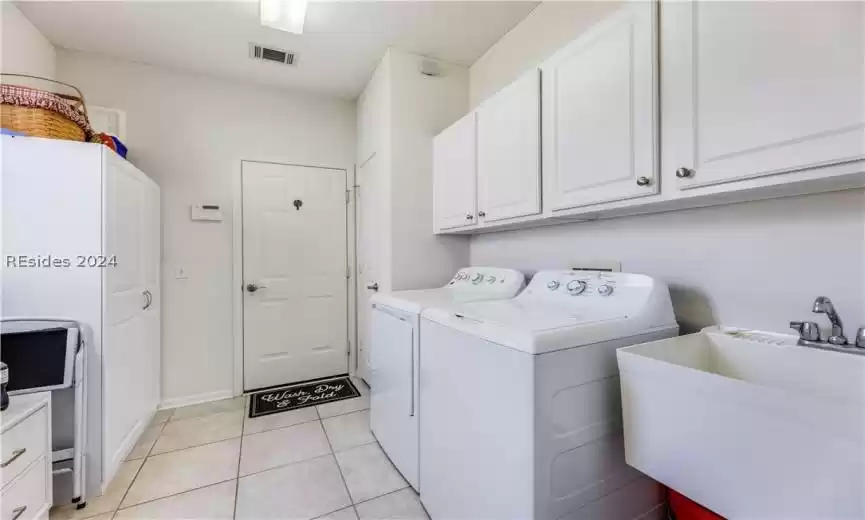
<point>455,175</point>
<point>761,88</point>
<point>151,263</point>
<point>509,151</point>
<point>126,362</point>
<point>599,112</point>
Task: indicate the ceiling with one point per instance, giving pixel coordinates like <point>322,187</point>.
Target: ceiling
<point>336,55</point>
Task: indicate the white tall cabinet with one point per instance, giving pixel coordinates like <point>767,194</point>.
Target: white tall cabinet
<point>81,202</point>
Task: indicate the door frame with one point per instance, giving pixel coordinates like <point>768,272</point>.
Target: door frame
<point>237,266</point>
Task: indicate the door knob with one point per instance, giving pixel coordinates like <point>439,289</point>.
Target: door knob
<point>684,173</point>
<point>251,287</point>
<point>373,286</point>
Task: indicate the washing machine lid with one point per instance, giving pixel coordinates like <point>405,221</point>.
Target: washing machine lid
<point>467,285</point>
<point>413,302</point>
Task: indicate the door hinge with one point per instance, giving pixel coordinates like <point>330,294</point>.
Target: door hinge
<point>347,196</point>
<point>348,272</point>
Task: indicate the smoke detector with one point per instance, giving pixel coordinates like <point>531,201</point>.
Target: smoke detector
<point>260,52</point>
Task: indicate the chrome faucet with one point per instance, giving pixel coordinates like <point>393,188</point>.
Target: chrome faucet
<point>809,332</point>
<point>823,305</point>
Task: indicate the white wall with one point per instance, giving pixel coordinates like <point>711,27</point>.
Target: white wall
<point>399,112</point>
<point>189,133</point>
<point>758,264</point>
<point>421,107</point>
<point>548,27</point>
<point>23,49</point>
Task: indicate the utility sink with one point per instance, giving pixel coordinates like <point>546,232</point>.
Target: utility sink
<point>748,424</point>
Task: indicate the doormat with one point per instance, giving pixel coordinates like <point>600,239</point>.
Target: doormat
<point>292,397</point>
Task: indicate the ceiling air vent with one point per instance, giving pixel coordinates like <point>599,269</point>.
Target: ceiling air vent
<point>260,52</point>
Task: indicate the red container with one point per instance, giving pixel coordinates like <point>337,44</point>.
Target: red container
<point>686,509</point>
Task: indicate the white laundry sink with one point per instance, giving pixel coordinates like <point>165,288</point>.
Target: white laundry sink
<point>748,424</point>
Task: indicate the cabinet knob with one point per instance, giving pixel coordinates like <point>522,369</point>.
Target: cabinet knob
<point>469,216</point>
<point>482,214</point>
<point>643,181</point>
<point>684,173</point>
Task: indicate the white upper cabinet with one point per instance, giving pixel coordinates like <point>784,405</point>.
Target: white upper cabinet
<point>752,89</point>
<point>455,175</point>
<point>600,112</point>
<point>508,151</point>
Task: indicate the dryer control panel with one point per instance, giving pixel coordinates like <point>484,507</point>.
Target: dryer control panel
<point>626,293</point>
<point>472,283</point>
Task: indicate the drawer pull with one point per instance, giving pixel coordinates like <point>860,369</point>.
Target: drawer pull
<point>18,511</point>
<point>15,455</point>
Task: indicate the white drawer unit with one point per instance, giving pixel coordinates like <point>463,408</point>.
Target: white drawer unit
<point>25,443</point>
<point>22,444</point>
<point>28,497</point>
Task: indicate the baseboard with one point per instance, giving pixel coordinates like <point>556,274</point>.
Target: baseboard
<point>206,397</point>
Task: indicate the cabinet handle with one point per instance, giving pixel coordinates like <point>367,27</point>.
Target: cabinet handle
<point>643,181</point>
<point>469,216</point>
<point>482,214</point>
<point>18,511</point>
<point>15,455</point>
<point>684,173</point>
<point>148,299</point>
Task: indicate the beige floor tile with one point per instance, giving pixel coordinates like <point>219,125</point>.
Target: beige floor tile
<point>211,503</point>
<point>368,473</point>
<point>284,446</point>
<point>300,491</point>
<point>162,416</point>
<point>179,471</point>
<point>279,420</point>
<point>343,514</point>
<point>146,442</point>
<point>186,433</point>
<point>343,407</point>
<point>198,410</point>
<point>57,513</point>
<point>348,430</point>
<point>108,502</point>
<point>403,505</point>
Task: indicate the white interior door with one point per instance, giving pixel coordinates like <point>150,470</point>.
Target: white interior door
<point>295,303</point>
<point>127,356</point>
<point>372,250</point>
<point>600,129</point>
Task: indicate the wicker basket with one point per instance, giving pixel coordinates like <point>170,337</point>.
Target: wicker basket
<point>40,113</point>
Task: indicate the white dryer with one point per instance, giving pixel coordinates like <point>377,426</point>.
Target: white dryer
<point>395,355</point>
<point>521,400</point>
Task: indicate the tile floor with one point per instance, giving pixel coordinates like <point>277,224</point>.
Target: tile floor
<point>211,461</point>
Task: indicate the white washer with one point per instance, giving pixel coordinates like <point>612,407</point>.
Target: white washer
<point>521,400</point>
<point>395,355</point>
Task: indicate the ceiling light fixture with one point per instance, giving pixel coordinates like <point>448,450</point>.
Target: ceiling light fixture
<point>285,15</point>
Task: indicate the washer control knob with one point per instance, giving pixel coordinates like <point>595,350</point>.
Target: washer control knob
<point>605,290</point>
<point>477,278</point>
<point>491,279</point>
<point>576,287</point>
<point>553,285</point>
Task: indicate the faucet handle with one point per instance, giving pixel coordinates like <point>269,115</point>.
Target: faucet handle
<point>808,330</point>
<point>860,338</point>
